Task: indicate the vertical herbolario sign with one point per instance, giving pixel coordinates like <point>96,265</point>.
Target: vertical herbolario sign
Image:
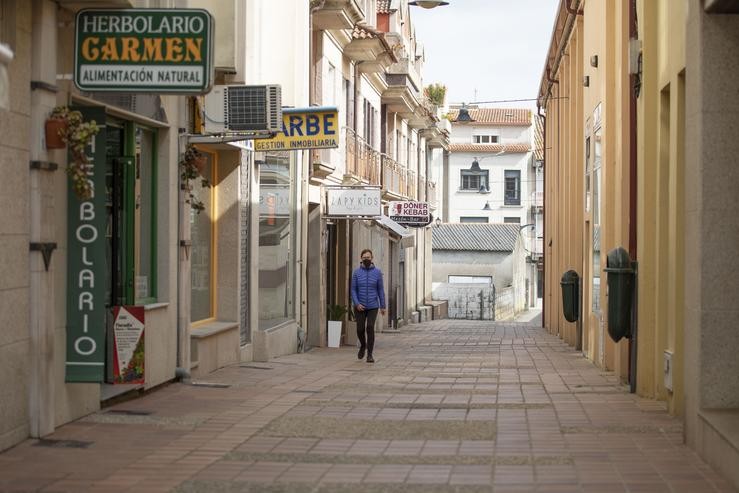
<point>144,50</point>
<point>86,269</point>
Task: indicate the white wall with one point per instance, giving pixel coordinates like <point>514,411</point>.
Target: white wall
<point>471,203</point>
<point>462,134</point>
<point>277,47</point>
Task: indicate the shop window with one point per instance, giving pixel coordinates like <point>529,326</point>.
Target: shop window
<point>596,219</point>
<point>276,238</point>
<point>512,187</point>
<point>131,172</point>
<point>202,236</point>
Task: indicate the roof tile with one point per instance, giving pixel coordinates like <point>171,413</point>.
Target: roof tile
<point>493,237</point>
<point>481,148</point>
<point>497,116</point>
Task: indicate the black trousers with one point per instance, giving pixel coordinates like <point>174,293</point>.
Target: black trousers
<point>366,322</point>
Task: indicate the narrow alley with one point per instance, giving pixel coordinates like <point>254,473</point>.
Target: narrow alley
<point>448,406</point>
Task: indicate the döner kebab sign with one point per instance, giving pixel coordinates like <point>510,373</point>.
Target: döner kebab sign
<point>144,50</point>
<point>410,213</point>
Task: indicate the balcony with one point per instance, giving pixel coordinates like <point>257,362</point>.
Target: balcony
<point>411,190</point>
<point>537,202</point>
<point>431,194</point>
<point>401,96</point>
<point>422,189</point>
<point>338,14</point>
<point>362,161</point>
<point>406,67</point>
<point>393,179</point>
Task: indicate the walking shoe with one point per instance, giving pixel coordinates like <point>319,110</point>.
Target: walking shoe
<point>370,359</point>
<point>360,354</point>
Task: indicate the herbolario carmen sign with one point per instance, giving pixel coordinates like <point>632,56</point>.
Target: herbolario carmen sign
<point>144,50</point>
<point>410,213</point>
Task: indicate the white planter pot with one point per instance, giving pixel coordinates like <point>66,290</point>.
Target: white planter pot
<point>334,333</point>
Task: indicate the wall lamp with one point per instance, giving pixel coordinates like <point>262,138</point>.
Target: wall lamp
<point>438,222</point>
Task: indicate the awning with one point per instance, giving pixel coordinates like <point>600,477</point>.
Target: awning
<point>407,238</point>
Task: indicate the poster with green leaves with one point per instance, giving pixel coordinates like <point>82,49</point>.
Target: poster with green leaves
<point>128,351</point>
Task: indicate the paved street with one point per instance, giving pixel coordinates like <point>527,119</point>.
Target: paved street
<point>448,406</point>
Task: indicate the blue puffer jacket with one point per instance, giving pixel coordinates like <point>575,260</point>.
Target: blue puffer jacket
<point>367,288</point>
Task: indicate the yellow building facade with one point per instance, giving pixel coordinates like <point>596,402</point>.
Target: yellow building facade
<point>613,93</point>
<point>640,106</point>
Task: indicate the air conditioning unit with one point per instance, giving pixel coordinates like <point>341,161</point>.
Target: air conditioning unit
<point>243,109</point>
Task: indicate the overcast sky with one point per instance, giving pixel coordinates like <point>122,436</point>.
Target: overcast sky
<point>494,47</point>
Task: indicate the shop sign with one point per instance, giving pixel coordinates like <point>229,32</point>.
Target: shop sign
<point>410,213</point>
<point>307,128</point>
<point>144,50</point>
<point>354,202</point>
<point>128,350</point>
<point>86,266</point>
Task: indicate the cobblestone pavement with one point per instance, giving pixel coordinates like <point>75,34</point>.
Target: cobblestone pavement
<point>449,406</point>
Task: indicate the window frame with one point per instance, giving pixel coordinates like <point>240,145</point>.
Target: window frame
<point>213,242</point>
<point>515,175</point>
<point>474,174</point>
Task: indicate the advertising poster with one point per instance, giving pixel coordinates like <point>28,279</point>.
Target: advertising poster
<point>128,351</point>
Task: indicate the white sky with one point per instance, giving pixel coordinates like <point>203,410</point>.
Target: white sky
<point>494,47</point>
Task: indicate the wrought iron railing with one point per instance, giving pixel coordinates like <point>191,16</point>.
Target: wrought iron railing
<point>392,177</point>
<point>411,188</point>
<point>431,193</point>
<point>362,161</point>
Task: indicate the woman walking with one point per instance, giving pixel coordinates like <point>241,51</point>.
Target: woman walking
<point>368,295</point>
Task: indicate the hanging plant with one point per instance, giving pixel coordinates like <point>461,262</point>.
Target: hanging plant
<point>191,168</point>
<point>69,127</point>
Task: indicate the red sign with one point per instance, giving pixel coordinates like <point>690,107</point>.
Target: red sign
<point>128,351</point>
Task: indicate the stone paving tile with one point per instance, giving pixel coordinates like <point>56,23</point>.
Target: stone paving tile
<point>450,406</point>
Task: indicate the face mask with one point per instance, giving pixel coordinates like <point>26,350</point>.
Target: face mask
<point>367,262</point>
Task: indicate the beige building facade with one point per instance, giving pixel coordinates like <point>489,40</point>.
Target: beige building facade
<point>638,108</point>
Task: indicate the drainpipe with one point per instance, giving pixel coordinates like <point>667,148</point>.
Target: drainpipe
<point>543,213</point>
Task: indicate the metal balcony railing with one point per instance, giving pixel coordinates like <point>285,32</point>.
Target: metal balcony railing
<point>362,161</point>
<point>431,193</point>
<point>411,190</point>
<point>392,177</point>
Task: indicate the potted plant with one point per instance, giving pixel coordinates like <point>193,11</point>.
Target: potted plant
<point>191,168</point>
<point>67,127</point>
<point>335,315</point>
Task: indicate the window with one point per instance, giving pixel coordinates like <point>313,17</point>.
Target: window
<point>512,191</point>
<point>471,280</point>
<point>370,117</point>
<point>485,139</point>
<point>131,172</point>
<point>202,229</point>
<point>144,210</point>
<point>276,238</point>
<point>596,219</point>
<point>474,180</point>
<point>512,220</point>
<point>473,219</point>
